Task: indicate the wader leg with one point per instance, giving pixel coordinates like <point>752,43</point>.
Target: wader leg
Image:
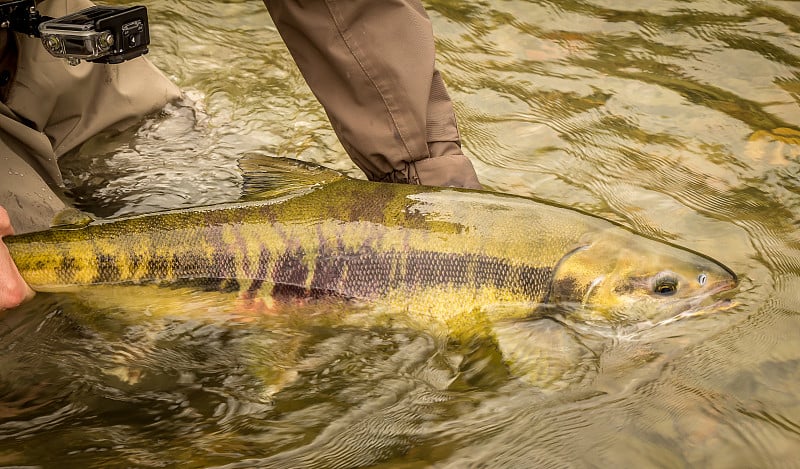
<point>371,65</point>
<point>28,171</point>
<point>28,199</point>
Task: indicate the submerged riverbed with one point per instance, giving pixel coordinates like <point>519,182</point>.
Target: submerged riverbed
<point>680,120</point>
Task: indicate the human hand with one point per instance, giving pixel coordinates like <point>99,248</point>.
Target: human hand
<point>13,289</point>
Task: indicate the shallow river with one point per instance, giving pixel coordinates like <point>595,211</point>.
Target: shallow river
<point>681,121</point>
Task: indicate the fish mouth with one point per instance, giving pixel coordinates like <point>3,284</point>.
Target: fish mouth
<point>707,303</point>
<point>723,285</point>
<point>699,310</point>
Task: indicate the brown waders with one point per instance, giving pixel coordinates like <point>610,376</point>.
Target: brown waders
<point>371,65</point>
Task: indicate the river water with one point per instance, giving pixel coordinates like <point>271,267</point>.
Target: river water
<point>680,119</point>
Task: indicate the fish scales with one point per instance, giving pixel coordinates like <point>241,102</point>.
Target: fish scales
<point>300,247</point>
<point>444,252</point>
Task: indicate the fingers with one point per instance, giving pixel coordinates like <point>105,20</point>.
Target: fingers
<point>5,223</point>
<point>13,289</point>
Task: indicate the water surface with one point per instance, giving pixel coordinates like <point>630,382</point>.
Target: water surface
<point>681,120</point>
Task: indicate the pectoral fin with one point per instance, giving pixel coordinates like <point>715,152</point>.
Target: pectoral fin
<point>71,218</point>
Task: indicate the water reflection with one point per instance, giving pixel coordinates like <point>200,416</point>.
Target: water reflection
<point>681,121</point>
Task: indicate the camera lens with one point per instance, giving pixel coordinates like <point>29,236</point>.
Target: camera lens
<point>53,44</point>
<point>106,40</point>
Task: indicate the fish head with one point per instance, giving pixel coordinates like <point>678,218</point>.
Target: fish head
<point>619,277</point>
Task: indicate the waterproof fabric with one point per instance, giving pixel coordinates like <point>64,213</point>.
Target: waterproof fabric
<point>371,63</point>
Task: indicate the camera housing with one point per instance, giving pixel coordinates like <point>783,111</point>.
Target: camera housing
<point>102,34</point>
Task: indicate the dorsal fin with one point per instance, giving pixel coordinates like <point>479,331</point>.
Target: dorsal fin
<point>267,176</point>
<point>71,217</point>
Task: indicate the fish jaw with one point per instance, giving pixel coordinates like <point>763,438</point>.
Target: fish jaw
<point>618,278</point>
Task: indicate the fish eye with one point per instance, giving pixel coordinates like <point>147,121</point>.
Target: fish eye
<point>665,284</point>
<point>701,279</point>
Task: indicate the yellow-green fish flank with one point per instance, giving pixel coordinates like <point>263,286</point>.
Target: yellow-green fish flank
<point>412,248</point>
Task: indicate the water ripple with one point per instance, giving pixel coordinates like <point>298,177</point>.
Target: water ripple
<point>681,120</point>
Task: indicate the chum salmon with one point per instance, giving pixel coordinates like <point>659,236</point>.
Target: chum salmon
<point>451,255</point>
